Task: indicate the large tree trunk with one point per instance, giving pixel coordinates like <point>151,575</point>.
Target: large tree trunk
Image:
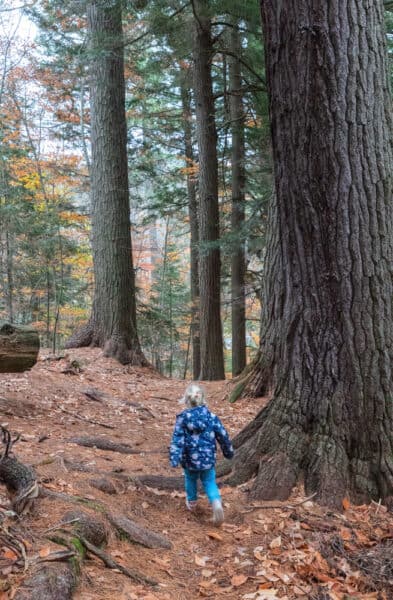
<point>238,263</point>
<point>212,357</point>
<point>331,412</point>
<point>193,216</point>
<point>19,347</point>
<point>113,320</point>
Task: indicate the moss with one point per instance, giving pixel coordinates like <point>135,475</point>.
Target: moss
<point>237,391</point>
<point>79,547</point>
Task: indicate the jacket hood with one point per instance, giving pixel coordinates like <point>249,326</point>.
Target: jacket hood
<point>197,419</point>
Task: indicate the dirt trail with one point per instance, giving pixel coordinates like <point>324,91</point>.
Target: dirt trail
<point>283,552</point>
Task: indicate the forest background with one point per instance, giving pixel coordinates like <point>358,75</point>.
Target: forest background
<point>46,273</point>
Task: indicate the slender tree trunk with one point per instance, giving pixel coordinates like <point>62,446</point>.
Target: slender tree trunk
<point>10,277</point>
<point>113,320</point>
<point>193,216</point>
<point>238,263</point>
<point>331,415</point>
<point>212,356</point>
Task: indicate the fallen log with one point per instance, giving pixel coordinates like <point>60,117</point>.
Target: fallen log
<point>19,348</point>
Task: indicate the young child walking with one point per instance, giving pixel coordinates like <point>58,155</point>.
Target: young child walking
<point>194,447</point>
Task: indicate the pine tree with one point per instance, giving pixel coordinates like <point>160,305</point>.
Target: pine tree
<point>328,329</point>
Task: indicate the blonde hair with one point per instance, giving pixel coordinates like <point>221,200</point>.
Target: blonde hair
<point>194,396</point>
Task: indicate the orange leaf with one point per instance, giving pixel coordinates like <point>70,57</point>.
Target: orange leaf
<point>345,534</point>
<point>346,503</point>
<point>8,553</point>
<point>238,580</point>
<point>44,552</point>
<point>214,535</point>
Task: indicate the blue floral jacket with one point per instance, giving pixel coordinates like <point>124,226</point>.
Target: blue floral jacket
<point>194,439</point>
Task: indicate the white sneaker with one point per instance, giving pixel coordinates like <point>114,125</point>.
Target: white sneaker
<point>218,512</point>
<point>191,504</point>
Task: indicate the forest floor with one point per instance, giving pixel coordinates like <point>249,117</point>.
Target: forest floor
<point>294,549</point>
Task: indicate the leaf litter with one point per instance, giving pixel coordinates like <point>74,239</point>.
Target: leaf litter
<point>286,550</point>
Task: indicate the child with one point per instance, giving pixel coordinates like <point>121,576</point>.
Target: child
<point>194,447</point>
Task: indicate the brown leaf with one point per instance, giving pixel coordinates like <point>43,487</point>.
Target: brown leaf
<point>276,543</point>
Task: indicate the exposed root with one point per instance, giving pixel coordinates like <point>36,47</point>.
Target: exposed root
<point>103,444</point>
<point>137,534</point>
<point>82,337</point>
<point>112,564</point>
<point>19,479</point>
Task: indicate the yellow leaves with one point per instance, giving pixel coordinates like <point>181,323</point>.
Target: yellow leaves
<point>25,174</point>
<point>72,217</point>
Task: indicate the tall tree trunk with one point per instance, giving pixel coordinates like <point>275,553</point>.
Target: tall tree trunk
<point>238,264</point>
<point>212,356</point>
<point>332,325</point>
<point>113,321</point>
<point>193,216</point>
<point>10,277</point>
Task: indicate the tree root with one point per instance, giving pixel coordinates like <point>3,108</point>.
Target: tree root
<point>55,581</point>
<point>103,444</point>
<point>112,564</point>
<point>131,530</point>
<point>20,480</point>
<point>137,534</point>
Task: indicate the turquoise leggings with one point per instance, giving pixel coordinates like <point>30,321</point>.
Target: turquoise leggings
<point>208,478</point>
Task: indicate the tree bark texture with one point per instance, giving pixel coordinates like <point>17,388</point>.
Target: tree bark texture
<point>193,216</point>
<point>238,263</point>
<point>113,321</point>
<point>19,347</point>
<point>212,356</point>
<point>330,323</point>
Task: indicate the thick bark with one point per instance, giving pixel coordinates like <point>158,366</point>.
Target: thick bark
<point>19,347</point>
<point>194,227</point>
<point>212,357</point>
<point>112,324</point>
<point>238,263</point>
<point>331,327</point>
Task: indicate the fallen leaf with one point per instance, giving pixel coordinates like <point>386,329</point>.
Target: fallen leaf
<point>10,554</point>
<point>238,580</point>
<point>346,503</point>
<point>214,535</point>
<point>201,560</point>
<point>207,573</point>
<point>276,543</point>
<point>258,555</point>
<point>44,552</point>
